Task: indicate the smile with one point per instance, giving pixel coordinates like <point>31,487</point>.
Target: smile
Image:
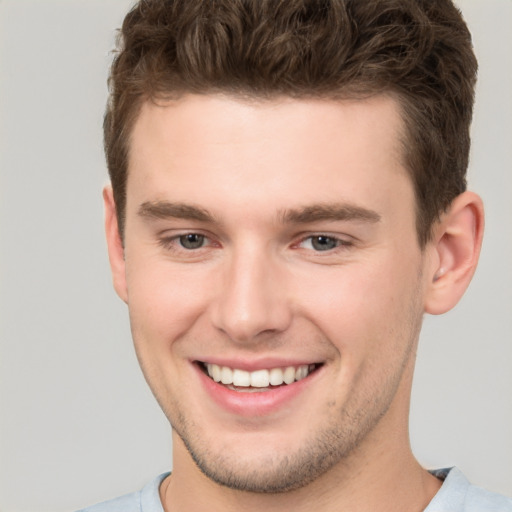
<point>259,380</point>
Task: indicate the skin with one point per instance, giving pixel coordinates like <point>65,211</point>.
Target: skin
<point>248,177</point>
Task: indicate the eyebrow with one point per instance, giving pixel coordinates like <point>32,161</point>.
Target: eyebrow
<point>304,215</point>
<point>329,212</point>
<point>168,210</point>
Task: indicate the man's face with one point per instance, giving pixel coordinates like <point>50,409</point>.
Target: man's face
<point>272,241</point>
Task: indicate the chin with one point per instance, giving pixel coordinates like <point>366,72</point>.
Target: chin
<point>271,470</point>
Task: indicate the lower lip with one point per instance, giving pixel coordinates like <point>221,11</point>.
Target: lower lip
<point>257,403</point>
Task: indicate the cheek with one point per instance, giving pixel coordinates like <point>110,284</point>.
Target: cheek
<point>363,307</point>
<point>164,302</point>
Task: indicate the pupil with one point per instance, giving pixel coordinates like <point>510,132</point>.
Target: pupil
<point>323,243</point>
<point>192,241</point>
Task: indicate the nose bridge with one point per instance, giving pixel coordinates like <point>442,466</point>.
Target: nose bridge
<point>251,299</point>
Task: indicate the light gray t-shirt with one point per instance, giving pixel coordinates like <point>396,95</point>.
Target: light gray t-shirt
<point>456,495</point>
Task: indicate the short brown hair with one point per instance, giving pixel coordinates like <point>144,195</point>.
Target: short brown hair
<point>420,51</point>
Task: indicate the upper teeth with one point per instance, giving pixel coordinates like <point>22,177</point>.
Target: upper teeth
<point>258,378</point>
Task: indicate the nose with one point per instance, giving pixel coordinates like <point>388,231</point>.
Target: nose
<point>251,301</point>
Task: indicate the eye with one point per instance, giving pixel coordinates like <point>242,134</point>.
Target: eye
<point>187,245</point>
<point>192,241</point>
<point>322,243</point>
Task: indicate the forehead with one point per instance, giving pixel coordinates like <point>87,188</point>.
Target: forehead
<point>230,119</point>
<point>204,148</point>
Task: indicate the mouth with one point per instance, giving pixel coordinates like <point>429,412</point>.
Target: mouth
<point>258,380</point>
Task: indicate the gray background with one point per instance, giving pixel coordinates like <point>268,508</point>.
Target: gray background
<point>77,423</point>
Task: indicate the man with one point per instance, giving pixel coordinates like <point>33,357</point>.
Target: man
<point>288,199</point>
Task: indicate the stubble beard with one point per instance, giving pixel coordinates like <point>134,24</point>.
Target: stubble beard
<point>270,474</point>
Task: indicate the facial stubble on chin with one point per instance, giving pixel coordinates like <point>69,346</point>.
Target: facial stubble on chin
<point>273,474</point>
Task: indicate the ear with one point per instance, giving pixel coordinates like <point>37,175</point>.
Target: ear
<point>455,248</point>
<point>114,244</point>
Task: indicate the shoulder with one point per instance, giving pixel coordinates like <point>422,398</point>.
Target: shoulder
<point>478,499</point>
<point>126,503</point>
<point>457,494</point>
<point>145,500</point>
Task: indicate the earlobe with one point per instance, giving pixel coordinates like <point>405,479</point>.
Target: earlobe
<point>114,245</point>
<point>456,246</point>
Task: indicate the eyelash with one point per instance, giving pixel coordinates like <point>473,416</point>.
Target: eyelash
<point>340,243</point>
<point>174,243</point>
